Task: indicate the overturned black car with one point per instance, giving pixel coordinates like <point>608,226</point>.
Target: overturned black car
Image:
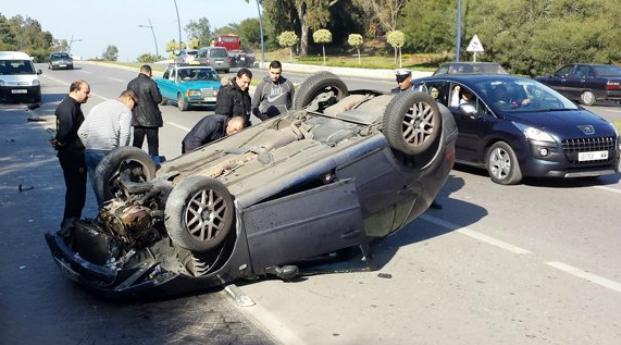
<point>341,169</point>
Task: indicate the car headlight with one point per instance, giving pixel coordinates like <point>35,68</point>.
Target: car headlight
<point>35,82</point>
<point>191,93</point>
<point>533,133</point>
<point>614,128</point>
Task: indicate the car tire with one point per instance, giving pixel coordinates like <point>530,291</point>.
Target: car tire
<point>126,159</point>
<point>587,97</point>
<point>412,122</point>
<point>326,85</point>
<point>181,103</point>
<point>502,164</point>
<point>199,214</point>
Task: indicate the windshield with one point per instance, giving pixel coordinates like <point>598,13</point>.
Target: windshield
<point>11,67</point>
<point>218,53</point>
<point>191,74</point>
<point>522,95</point>
<point>57,56</point>
<point>609,70</point>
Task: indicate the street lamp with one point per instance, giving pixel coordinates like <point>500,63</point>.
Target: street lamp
<point>458,38</point>
<point>178,22</point>
<point>261,29</point>
<point>150,26</point>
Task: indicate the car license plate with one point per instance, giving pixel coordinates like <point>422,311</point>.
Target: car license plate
<point>218,62</point>
<point>592,156</point>
<point>210,99</point>
<point>62,65</point>
<point>19,91</point>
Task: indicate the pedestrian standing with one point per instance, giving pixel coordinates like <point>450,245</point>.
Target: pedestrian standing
<point>146,116</point>
<point>274,95</point>
<point>211,128</point>
<point>233,98</point>
<point>69,117</point>
<point>106,127</point>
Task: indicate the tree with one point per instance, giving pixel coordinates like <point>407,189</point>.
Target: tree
<point>288,39</point>
<point>426,23</point>
<point>355,40</point>
<point>194,43</point>
<point>249,33</point>
<point>396,39</point>
<point>148,58</point>
<point>385,11</point>
<point>200,29</point>
<point>172,46</point>
<point>322,36</point>
<point>60,45</point>
<point>231,28</point>
<point>111,53</point>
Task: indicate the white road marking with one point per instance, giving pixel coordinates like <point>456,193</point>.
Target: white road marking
<point>117,79</point>
<point>84,71</point>
<point>609,189</point>
<point>593,278</point>
<point>66,83</point>
<point>178,126</point>
<point>476,235</point>
<point>613,111</point>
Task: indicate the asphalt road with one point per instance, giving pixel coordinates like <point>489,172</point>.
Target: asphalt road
<point>536,263</point>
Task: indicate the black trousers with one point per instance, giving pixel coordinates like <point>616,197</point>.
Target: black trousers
<point>153,139</point>
<point>74,171</point>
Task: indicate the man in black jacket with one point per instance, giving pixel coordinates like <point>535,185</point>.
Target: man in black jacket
<point>233,98</point>
<point>146,116</point>
<point>210,128</point>
<point>69,117</point>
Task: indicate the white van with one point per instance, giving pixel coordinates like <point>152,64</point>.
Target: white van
<point>19,81</point>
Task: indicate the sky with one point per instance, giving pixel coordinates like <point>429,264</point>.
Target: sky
<point>95,24</point>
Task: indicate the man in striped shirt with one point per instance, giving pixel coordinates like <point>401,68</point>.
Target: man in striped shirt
<point>106,127</point>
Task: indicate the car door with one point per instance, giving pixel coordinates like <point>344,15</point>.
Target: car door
<point>166,85</point>
<point>576,81</point>
<point>558,80</point>
<point>474,123</point>
<point>303,225</point>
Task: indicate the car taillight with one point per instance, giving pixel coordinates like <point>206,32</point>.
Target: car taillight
<point>613,86</point>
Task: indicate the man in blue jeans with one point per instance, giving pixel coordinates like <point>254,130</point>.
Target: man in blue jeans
<point>106,127</point>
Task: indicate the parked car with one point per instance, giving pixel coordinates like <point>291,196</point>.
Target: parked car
<point>216,57</point>
<point>189,85</point>
<point>339,169</point>
<point>19,81</point>
<point>470,68</point>
<point>240,58</point>
<point>517,127</point>
<point>186,56</point>
<point>587,83</point>
<point>60,61</point>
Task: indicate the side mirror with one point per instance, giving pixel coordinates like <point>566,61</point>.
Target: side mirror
<point>39,71</point>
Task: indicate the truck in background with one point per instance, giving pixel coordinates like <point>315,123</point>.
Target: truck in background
<point>231,42</point>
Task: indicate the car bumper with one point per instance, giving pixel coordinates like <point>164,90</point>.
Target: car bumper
<point>20,94</point>
<point>561,164</point>
<point>68,65</point>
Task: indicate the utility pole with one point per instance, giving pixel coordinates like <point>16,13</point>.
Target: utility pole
<point>458,38</point>
<point>73,40</point>
<point>150,26</point>
<point>261,30</point>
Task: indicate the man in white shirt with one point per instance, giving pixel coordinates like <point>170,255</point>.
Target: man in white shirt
<point>106,127</point>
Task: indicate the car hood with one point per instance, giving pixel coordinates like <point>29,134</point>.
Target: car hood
<point>565,124</point>
<point>19,79</point>
<point>200,84</point>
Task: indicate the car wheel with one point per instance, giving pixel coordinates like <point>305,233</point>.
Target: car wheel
<point>587,98</point>
<point>412,122</point>
<point>320,91</point>
<point>502,164</point>
<point>125,162</point>
<point>199,214</point>
<point>181,103</point>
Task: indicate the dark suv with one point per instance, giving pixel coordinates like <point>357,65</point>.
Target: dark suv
<point>60,60</point>
<point>588,83</point>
